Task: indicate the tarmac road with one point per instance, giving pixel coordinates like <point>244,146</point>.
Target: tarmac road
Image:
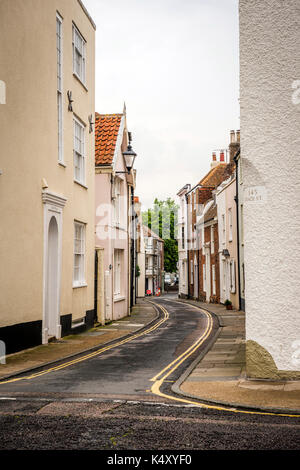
<point>110,402</point>
<point>126,370</point>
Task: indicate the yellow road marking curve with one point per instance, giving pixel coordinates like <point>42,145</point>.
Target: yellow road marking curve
<point>90,355</point>
<point>155,389</point>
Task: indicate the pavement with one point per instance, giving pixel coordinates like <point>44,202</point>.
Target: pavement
<point>217,377</point>
<point>220,376</point>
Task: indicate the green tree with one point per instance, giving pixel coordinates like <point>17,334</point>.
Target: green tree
<point>170,255</point>
<point>162,218</point>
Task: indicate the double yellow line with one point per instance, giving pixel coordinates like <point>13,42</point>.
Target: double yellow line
<point>91,355</point>
<point>159,378</point>
<point>155,389</point>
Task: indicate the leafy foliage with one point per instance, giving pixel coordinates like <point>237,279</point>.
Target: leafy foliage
<point>162,218</point>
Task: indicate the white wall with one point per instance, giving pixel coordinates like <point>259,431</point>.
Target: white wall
<point>270,143</point>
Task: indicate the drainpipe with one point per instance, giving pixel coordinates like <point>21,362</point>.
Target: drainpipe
<point>236,160</point>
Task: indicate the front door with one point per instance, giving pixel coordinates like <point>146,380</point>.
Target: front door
<point>51,295</point>
<point>53,209</point>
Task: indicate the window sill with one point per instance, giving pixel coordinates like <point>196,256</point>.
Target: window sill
<point>119,298</point>
<point>76,286</point>
<point>81,184</point>
<point>62,164</point>
<point>80,81</point>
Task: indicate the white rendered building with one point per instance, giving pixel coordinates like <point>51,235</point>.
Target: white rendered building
<point>270,164</point>
<point>183,242</point>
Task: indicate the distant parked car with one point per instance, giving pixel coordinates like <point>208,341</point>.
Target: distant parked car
<point>168,279</point>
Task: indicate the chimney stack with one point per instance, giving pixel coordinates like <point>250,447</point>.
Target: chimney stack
<point>232,137</point>
<point>234,144</point>
<point>214,161</point>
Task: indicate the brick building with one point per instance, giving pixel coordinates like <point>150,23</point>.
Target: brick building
<point>202,228</point>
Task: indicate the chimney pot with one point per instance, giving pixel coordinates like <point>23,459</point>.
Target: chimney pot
<point>232,137</point>
<point>222,159</point>
<point>238,136</point>
<point>214,157</point>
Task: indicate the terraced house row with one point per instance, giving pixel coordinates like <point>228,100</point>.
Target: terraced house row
<point>208,244</point>
<point>68,226</point>
<point>239,226</point>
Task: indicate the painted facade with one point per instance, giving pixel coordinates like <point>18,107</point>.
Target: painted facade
<point>270,116</point>
<point>183,243</point>
<point>227,228</point>
<point>140,251</point>
<point>240,230</point>
<point>47,180</point>
<point>113,201</point>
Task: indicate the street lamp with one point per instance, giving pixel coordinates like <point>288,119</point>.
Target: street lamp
<point>129,156</point>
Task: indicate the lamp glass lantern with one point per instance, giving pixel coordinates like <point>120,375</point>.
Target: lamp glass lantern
<point>129,156</point>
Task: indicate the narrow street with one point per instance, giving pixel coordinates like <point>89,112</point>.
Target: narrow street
<point>122,398</point>
<point>126,370</point>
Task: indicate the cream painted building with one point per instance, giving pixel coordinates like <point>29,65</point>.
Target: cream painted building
<point>270,164</point>
<point>47,170</point>
<point>227,228</point>
<point>140,252</point>
<point>183,289</point>
<point>114,198</point>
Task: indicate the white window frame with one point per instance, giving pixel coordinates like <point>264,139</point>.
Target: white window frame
<point>223,229</point>
<point>224,274</point>
<point>214,290</point>
<point>59,55</point>
<point>192,271</point>
<point>79,153</point>
<point>230,224</point>
<point>212,241</point>
<point>118,258</point>
<point>232,276</point>
<point>242,223</point>
<point>79,254</point>
<point>79,51</point>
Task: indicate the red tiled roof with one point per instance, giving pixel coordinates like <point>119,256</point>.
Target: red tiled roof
<point>217,175</point>
<point>106,133</point>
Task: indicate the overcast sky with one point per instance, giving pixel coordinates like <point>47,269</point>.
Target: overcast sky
<point>175,63</point>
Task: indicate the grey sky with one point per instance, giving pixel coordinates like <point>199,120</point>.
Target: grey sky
<point>175,64</point>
